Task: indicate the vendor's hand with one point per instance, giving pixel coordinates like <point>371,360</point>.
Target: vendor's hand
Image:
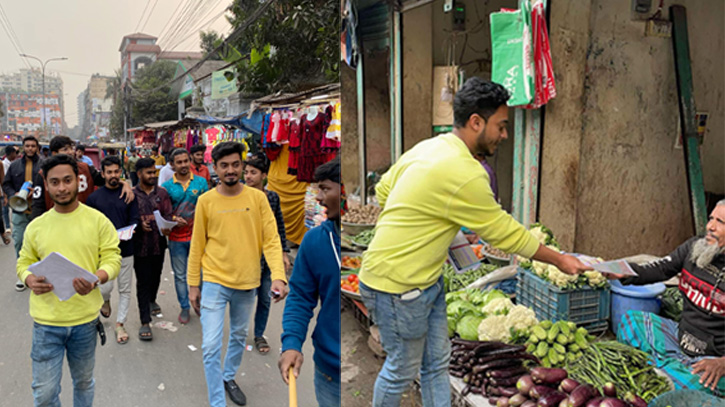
<point>571,265</point>
<point>287,359</point>
<point>195,298</point>
<point>146,226</point>
<point>472,238</point>
<point>38,284</point>
<point>166,232</point>
<point>613,276</point>
<point>712,370</point>
<point>127,193</point>
<point>281,287</point>
<point>180,221</point>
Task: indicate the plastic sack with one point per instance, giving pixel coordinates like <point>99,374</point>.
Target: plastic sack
<point>512,60</point>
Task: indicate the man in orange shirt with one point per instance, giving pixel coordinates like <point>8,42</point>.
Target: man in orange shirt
<point>198,166</point>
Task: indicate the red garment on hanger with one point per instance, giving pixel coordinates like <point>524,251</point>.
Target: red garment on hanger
<point>295,144</point>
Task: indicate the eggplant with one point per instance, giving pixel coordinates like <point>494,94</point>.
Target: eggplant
<point>457,373</point>
<point>609,390</point>
<point>529,403</point>
<point>492,400</point>
<point>552,399</point>
<point>517,400</point>
<point>504,351</point>
<point>612,402</point>
<point>466,390</point>
<point>508,382</point>
<point>494,391</point>
<point>543,375</point>
<point>467,378</point>
<point>507,372</point>
<point>496,364</point>
<point>502,402</point>
<point>476,390</point>
<point>538,392</point>
<point>525,384</point>
<point>565,403</point>
<point>508,391</point>
<point>634,400</point>
<point>595,402</point>
<point>568,385</point>
<point>582,394</point>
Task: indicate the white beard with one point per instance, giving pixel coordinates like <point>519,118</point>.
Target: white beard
<point>703,252</point>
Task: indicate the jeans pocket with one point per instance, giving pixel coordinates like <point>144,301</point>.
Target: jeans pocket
<point>411,316</point>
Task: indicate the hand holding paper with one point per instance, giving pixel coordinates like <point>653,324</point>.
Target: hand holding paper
<point>61,274</point>
<point>162,223</point>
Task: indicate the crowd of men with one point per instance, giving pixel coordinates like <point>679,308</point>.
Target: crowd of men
<point>227,247</point>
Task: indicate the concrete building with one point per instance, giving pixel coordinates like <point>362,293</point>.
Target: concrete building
<point>94,109</point>
<point>31,80</point>
<point>24,114</point>
<point>139,50</point>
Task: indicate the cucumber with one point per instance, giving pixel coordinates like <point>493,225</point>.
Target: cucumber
<point>531,348</point>
<point>562,339</point>
<point>553,356</point>
<point>539,332</point>
<point>559,348</point>
<point>564,327</point>
<point>546,325</point>
<point>533,339</point>
<point>574,348</point>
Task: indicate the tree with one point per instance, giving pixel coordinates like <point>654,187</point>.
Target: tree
<point>209,41</point>
<point>151,97</point>
<point>294,45</point>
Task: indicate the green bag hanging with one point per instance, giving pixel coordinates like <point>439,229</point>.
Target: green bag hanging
<point>512,53</point>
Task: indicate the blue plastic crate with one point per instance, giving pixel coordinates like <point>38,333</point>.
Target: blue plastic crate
<point>586,307</point>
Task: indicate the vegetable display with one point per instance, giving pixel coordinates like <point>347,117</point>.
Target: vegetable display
<point>672,304</point>
<point>350,283</point>
<point>364,238</point>
<point>488,368</point>
<point>351,262</point>
<point>453,281</point>
<point>613,364</point>
<point>362,215</point>
<point>551,273</point>
<point>488,316</point>
<point>551,387</point>
<point>557,343</point>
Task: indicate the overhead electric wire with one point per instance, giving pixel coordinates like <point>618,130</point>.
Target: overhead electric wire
<point>188,20</point>
<point>231,37</point>
<point>142,15</point>
<point>8,28</point>
<point>177,23</point>
<point>200,28</point>
<point>150,14</point>
<point>170,18</point>
<point>201,12</point>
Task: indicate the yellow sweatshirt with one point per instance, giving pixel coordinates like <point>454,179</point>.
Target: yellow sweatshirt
<point>433,190</point>
<point>230,235</point>
<point>85,237</point>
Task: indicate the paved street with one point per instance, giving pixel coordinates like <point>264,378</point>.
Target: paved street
<point>131,375</point>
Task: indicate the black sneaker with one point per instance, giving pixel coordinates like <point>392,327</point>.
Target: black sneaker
<point>235,393</point>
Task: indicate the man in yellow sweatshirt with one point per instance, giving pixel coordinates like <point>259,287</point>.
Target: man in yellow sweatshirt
<point>87,238</point>
<point>233,226</point>
<point>434,189</point>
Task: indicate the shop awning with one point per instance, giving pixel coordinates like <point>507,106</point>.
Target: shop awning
<point>249,123</point>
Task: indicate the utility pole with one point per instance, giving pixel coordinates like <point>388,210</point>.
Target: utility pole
<point>42,66</point>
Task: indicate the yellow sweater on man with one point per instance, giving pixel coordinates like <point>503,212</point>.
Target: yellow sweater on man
<point>433,190</point>
<point>230,235</point>
<point>85,237</point>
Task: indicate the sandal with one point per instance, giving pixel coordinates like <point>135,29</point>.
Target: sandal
<point>121,335</point>
<point>261,344</point>
<point>6,238</point>
<point>155,309</point>
<point>106,309</point>
<point>145,333</point>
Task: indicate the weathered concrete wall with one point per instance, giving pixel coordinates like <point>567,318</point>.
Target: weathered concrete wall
<point>561,144</point>
<point>706,21</point>
<point>417,41</point>
<point>621,188</point>
<point>377,118</point>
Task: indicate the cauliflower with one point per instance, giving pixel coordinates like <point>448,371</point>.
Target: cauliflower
<point>521,318</point>
<point>494,328</point>
<point>595,278</point>
<point>539,234</point>
<point>498,306</point>
<point>559,278</point>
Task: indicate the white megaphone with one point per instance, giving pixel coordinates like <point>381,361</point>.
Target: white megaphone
<point>19,202</point>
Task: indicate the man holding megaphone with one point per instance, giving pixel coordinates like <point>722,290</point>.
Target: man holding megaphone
<point>18,187</point>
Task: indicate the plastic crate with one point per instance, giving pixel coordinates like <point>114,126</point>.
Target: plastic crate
<point>586,307</point>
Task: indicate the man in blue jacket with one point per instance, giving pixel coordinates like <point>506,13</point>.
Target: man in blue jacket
<point>316,276</point>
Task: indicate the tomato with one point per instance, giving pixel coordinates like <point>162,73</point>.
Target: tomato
<point>347,287</point>
<point>351,278</point>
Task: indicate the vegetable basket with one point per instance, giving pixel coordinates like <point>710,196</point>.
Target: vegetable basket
<point>587,307</point>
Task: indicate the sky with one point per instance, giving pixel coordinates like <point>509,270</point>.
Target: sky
<point>89,33</point>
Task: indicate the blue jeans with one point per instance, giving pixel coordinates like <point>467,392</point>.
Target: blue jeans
<point>20,222</point>
<point>327,389</point>
<point>6,216</point>
<point>261,315</point>
<point>50,343</point>
<point>214,300</point>
<point>414,334</point>
<point>179,253</point>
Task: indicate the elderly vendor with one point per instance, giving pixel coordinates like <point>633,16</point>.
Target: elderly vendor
<point>693,352</point>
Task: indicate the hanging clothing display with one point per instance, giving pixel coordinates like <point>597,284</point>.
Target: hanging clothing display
<point>291,194</point>
<point>313,127</point>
